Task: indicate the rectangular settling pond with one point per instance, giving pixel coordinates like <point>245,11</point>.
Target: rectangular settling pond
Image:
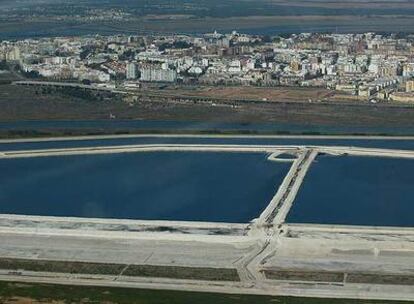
<point>189,186</point>
<point>356,191</point>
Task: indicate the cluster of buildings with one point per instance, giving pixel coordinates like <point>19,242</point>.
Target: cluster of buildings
<point>362,66</point>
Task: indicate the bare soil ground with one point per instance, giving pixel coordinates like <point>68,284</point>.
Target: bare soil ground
<point>255,93</point>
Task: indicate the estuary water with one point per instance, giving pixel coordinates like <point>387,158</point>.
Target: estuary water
<point>189,186</point>
<point>168,125</point>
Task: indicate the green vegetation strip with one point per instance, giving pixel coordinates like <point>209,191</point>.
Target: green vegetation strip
<point>44,133</point>
<point>210,274</point>
<point>372,278</point>
<point>304,276</point>
<point>194,273</point>
<point>45,293</point>
<point>339,277</point>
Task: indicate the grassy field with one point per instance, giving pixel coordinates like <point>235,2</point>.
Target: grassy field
<point>18,293</point>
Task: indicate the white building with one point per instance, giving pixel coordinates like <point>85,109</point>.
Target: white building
<point>153,73</point>
<point>131,71</point>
